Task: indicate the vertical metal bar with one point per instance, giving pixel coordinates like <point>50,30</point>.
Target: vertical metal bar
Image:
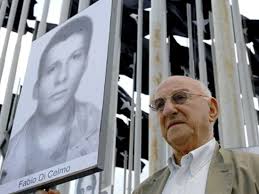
<point>65,9</point>
<point>42,26</point>
<point>2,12</point>
<point>125,171</point>
<point>232,123</point>
<point>250,116</point>
<point>200,30</point>
<point>83,4</point>
<point>158,70</point>
<point>131,138</point>
<point>15,102</point>
<point>189,24</point>
<point>109,165</point>
<point>138,118</point>
<point>11,78</point>
<point>169,72</point>
<point>7,37</point>
<point>215,71</point>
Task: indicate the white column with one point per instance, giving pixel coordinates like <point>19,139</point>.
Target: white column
<point>250,116</point>
<point>43,22</point>
<point>158,71</point>
<point>189,27</point>
<point>109,165</point>
<point>8,94</point>
<point>131,138</point>
<point>65,9</point>
<point>232,122</point>
<point>83,4</point>
<point>2,12</point>
<point>138,118</point>
<point>7,36</point>
<point>125,162</point>
<point>200,30</point>
<point>14,106</point>
<point>215,71</point>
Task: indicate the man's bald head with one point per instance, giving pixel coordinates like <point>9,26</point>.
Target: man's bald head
<point>197,84</point>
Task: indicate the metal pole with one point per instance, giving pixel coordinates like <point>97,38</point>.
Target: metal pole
<point>42,26</point>
<point>125,171</point>
<point>131,138</point>
<point>158,71</point>
<point>109,165</point>
<point>8,93</point>
<point>200,30</point>
<point>138,118</point>
<point>14,106</point>
<point>215,74</point>
<point>9,90</point>
<point>83,4</point>
<point>250,116</point>
<point>189,23</point>
<point>7,37</point>
<point>65,9</point>
<point>232,122</point>
<point>2,12</point>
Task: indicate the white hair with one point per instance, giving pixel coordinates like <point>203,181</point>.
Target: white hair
<point>207,92</point>
<point>204,88</point>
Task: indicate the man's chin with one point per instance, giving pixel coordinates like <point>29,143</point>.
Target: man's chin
<point>177,140</point>
<point>51,112</point>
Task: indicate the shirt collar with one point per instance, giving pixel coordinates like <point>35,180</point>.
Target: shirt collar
<point>196,159</point>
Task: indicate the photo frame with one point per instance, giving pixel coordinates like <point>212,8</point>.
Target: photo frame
<point>59,130</point>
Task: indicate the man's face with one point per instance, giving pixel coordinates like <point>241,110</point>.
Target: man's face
<point>87,186</point>
<point>186,126</point>
<point>61,74</point>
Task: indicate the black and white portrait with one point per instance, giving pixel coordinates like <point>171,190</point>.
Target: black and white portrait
<point>59,131</point>
<point>88,184</point>
<point>61,128</point>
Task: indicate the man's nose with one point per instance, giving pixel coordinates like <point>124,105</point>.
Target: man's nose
<point>63,73</point>
<point>169,108</point>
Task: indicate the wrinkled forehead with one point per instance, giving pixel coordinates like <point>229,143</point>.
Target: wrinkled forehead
<point>176,83</point>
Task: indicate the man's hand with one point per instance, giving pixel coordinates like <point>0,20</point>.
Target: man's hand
<point>51,191</point>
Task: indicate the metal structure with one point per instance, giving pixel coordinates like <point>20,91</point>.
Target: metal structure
<point>234,82</point>
<point>157,72</point>
<point>232,133</point>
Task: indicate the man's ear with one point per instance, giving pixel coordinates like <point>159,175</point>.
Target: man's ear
<point>214,109</point>
<point>35,93</point>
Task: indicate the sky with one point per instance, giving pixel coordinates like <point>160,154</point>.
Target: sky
<point>249,8</point>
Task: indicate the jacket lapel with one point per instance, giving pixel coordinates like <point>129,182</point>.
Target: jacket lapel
<point>157,183</point>
<point>220,175</point>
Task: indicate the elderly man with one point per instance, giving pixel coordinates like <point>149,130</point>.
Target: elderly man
<point>187,113</point>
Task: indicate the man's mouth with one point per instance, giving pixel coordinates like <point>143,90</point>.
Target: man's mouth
<point>174,124</point>
<point>58,95</point>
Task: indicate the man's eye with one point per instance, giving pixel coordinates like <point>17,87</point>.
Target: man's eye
<point>179,98</point>
<point>51,69</point>
<point>159,104</point>
<point>89,188</point>
<point>77,55</point>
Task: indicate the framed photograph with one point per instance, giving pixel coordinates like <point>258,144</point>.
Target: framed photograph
<point>88,184</point>
<point>59,128</point>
